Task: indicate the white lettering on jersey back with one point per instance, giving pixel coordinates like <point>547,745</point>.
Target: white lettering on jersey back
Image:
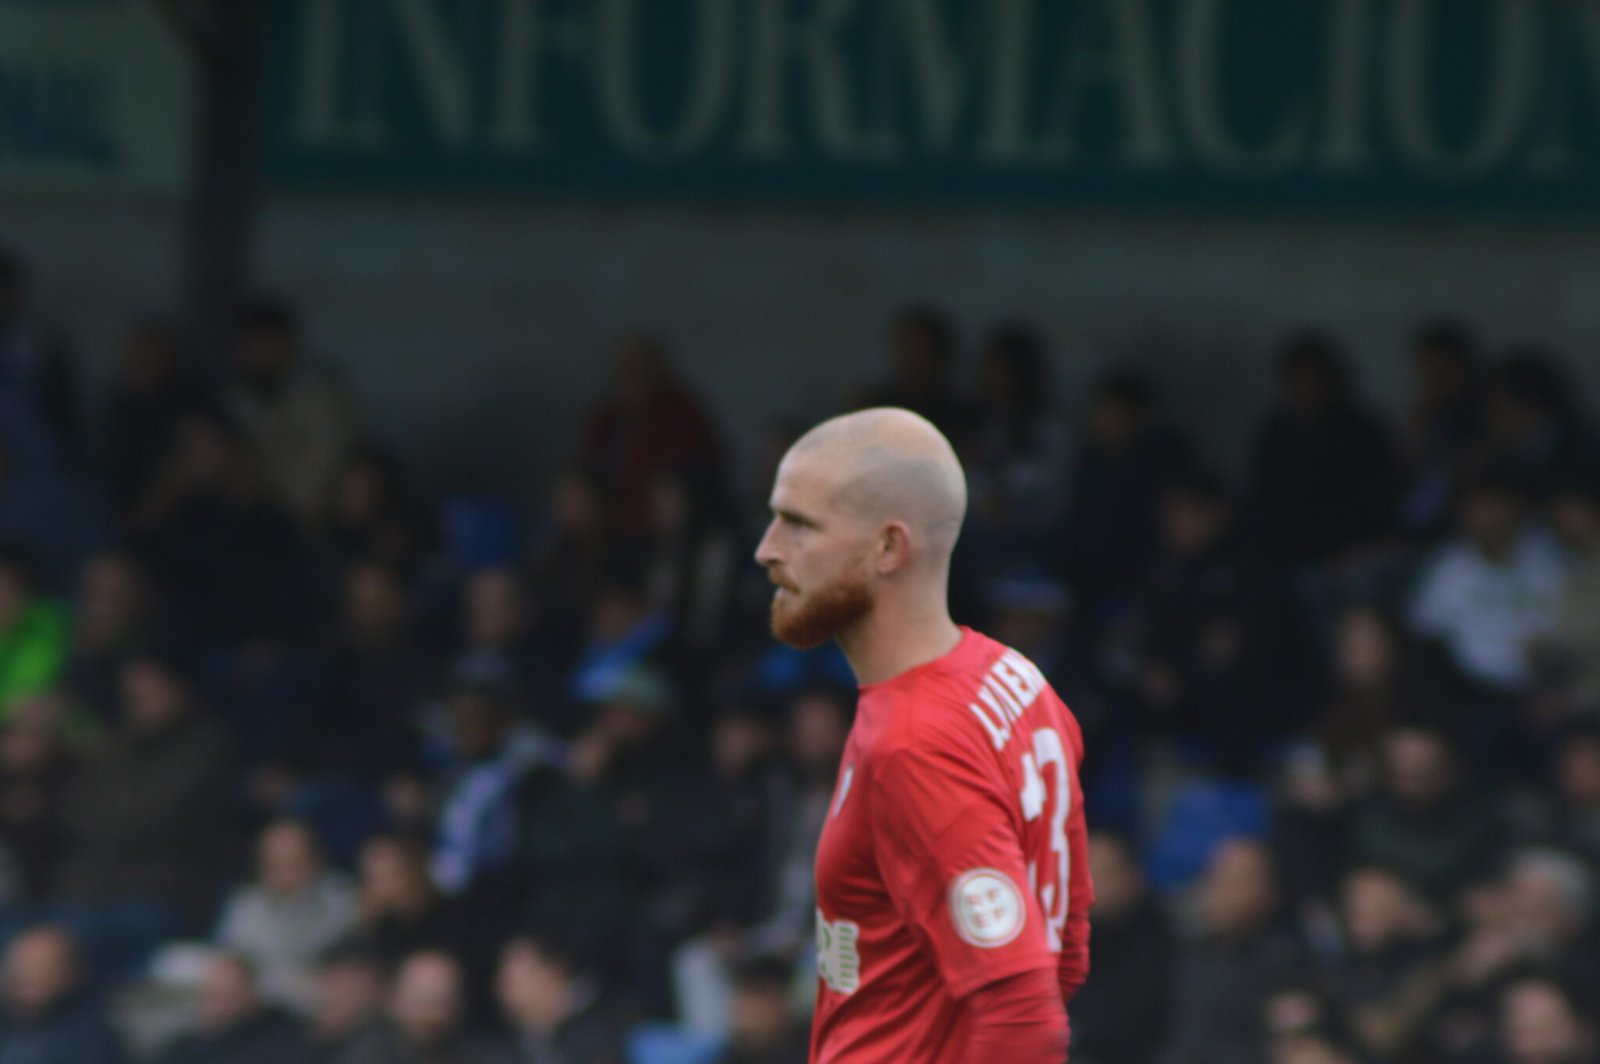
<point>1011,686</point>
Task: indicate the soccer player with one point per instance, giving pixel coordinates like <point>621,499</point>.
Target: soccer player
<point>952,877</point>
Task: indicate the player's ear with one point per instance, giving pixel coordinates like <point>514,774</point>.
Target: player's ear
<point>894,548</point>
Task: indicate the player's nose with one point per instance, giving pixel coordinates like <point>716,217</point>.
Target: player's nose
<point>766,551</point>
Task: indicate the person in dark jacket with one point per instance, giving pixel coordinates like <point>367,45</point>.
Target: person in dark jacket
<point>763,1028</point>
<point>147,814</point>
<point>401,909</point>
<point>1394,971</point>
<point>1122,1013</point>
<point>236,1026</point>
<point>347,1021</point>
<point>1244,953</point>
<point>1543,1021</point>
<point>1212,634</point>
<point>560,1012</point>
<point>47,1015</point>
<point>36,764</point>
<point>1428,824</point>
<point>427,1017</point>
<point>155,389</point>
<point>1325,473</point>
<point>236,568</point>
<point>1109,532</point>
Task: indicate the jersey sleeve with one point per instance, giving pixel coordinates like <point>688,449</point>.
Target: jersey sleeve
<point>1073,969</point>
<point>949,854</point>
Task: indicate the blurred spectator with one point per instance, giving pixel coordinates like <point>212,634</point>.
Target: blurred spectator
<point>35,767</point>
<point>346,1022</point>
<point>1310,829</point>
<point>1109,532</point>
<point>569,561</point>
<point>293,911</point>
<point>1543,1022</point>
<point>501,631</point>
<point>1122,1014</point>
<point>728,827</point>
<point>691,558</point>
<point>1427,825</point>
<point>1312,1049</point>
<point>57,518</point>
<point>360,727</point>
<point>555,999</point>
<point>1550,919</point>
<point>372,516</point>
<point>1394,972</point>
<point>1442,420</point>
<point>763,1028</point>
<point>299,423</point>
<point>1494,589</point>
<point>1570,820</point>
<point>1534,426</point>
<point>235,564</point>
<point>1381,678</point>
<point>474,803</point>
<point>780,924</point>
<point>401,910</point>
<point>647,424</point>
<point>147,814</point>
<point>1567,658</point>
<point>1210,632</point>
<point>625,632</point>
<point>922,363</point>
<point>156,388</point>
<point>1012,456</point>
<point>427,1017</point>
<point>1033,615</point>
<point>1537,916</point>
<point>38,383</point>
<point>34,631</point>
<point>114,616</point>
<point>48,1015</point>
<point>589,833</point>
<point>1324,468</point>
<point>819,726</point>
<point>1304,1024</point>
<point>235,1025</point>
<point>1242,955</point>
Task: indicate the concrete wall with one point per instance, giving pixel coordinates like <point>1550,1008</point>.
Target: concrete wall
<point>475,329</point>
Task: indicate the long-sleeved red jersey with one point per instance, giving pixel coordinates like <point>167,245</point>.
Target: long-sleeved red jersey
<point>955,856</point>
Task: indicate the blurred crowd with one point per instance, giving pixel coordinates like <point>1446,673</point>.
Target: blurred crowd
<point>302,762</point>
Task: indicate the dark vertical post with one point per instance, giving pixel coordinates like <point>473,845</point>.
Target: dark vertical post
<point>223,37</point>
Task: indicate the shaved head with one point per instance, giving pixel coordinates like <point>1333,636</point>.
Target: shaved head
<point>866,509</point>
<point>888,464</point>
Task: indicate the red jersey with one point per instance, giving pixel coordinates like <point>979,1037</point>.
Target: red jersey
<point>955,854</point>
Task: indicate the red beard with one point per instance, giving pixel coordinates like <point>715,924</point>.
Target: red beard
<point>822,614</point>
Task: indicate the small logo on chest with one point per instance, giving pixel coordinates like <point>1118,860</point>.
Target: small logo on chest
<point>844,789</point>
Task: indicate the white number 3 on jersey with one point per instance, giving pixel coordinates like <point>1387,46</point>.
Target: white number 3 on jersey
<point>1049,753</point>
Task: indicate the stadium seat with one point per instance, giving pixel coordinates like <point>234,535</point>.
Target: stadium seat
<point>662,1043</point>
<point>1201,816</point>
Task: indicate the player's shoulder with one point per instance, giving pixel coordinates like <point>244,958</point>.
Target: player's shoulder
<point>938,714</point>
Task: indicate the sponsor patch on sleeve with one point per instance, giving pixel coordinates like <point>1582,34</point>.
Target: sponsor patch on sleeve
<point>986,907</point>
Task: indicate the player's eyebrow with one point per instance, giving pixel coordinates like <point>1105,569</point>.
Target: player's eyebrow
<point>795,518</point>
